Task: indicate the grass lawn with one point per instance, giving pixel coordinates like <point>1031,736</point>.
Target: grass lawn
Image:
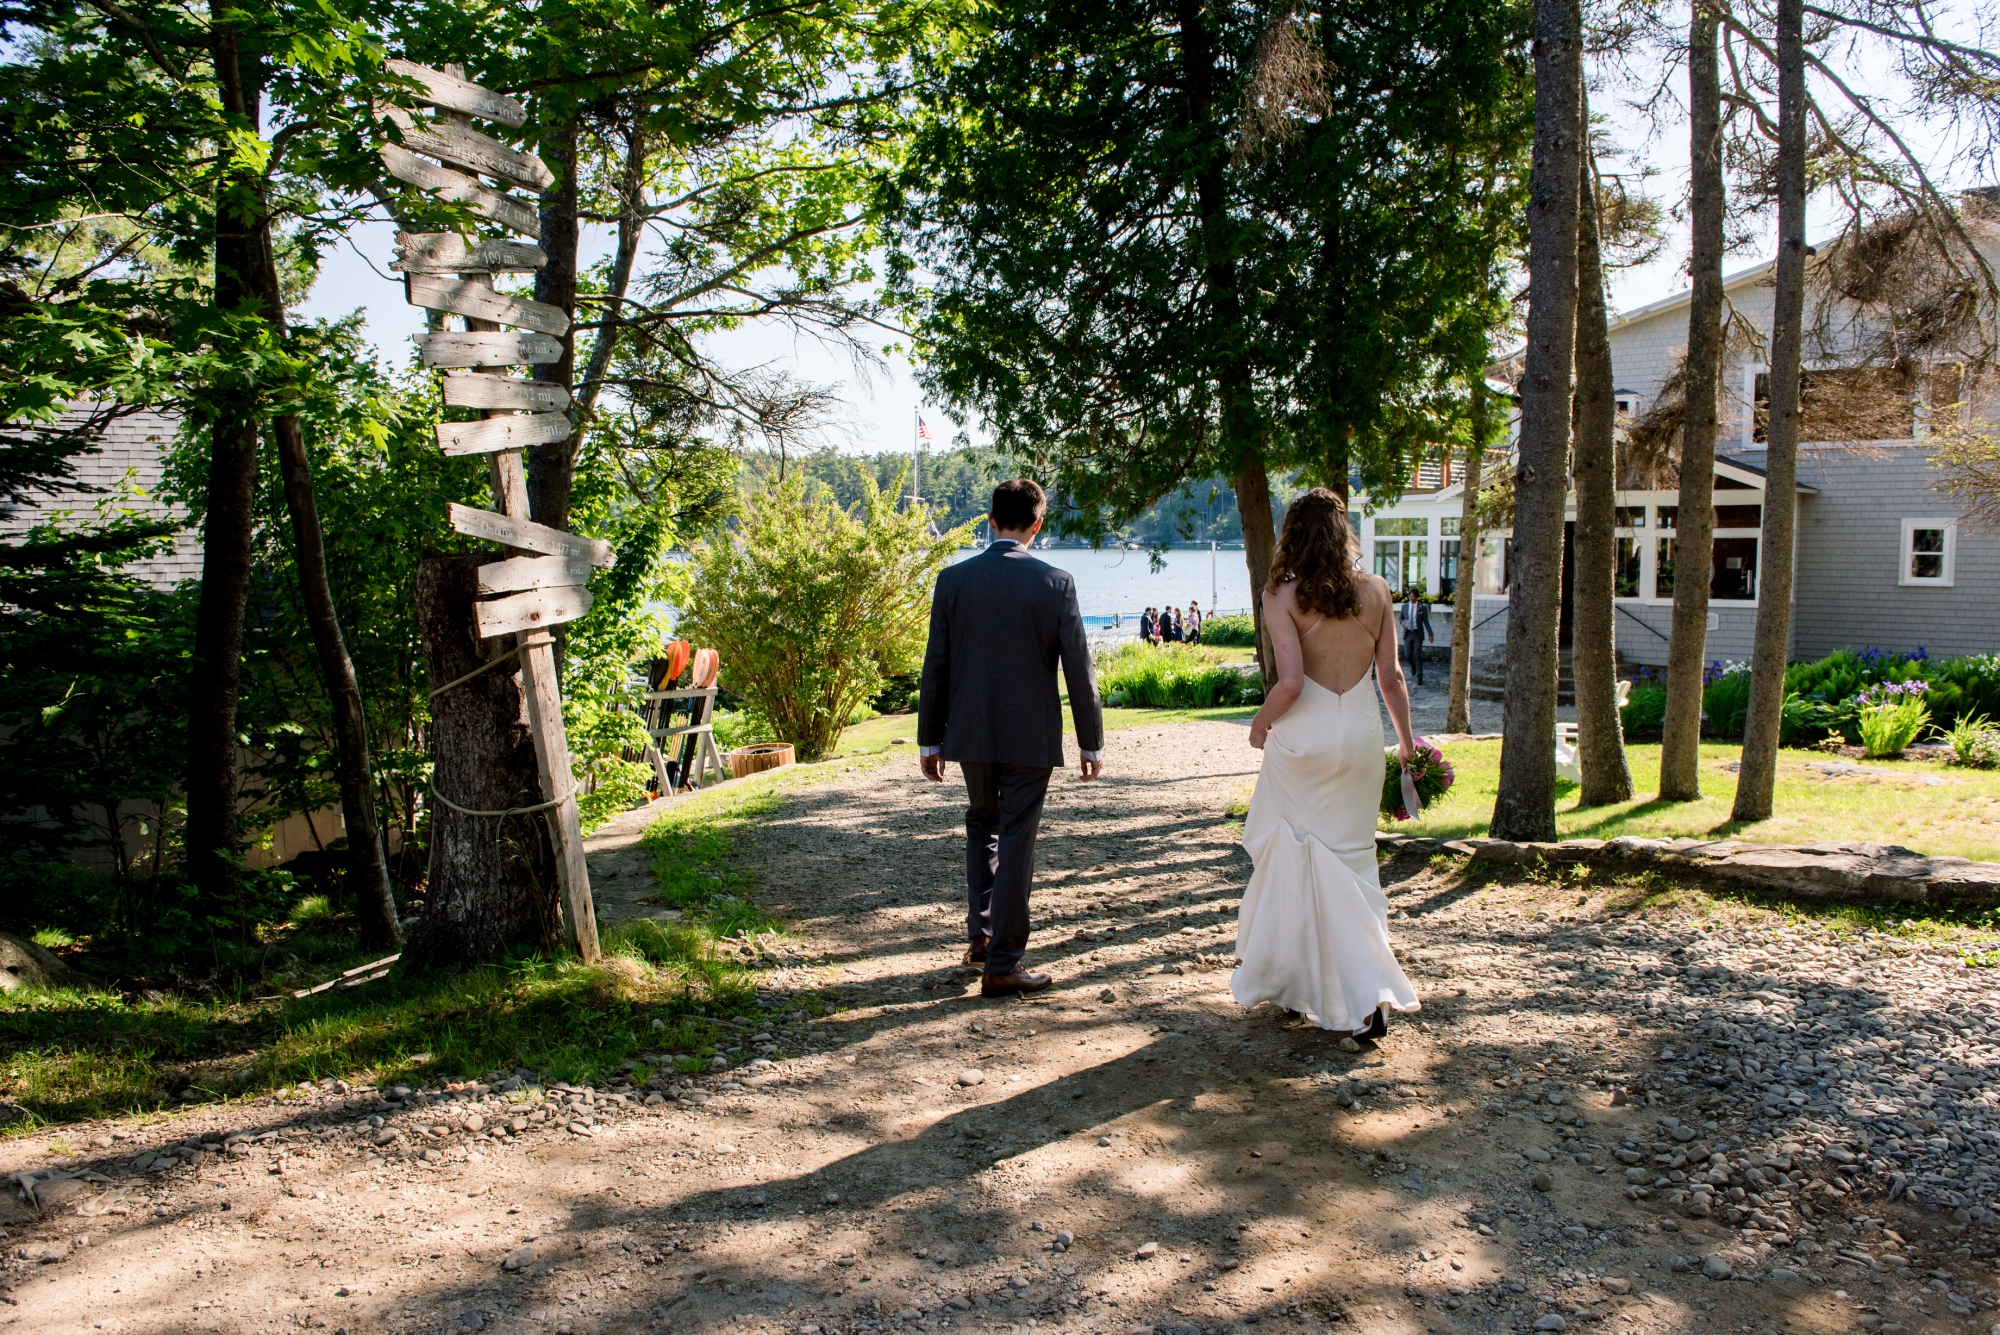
<point>665,994</point>
<point>1956,814</point>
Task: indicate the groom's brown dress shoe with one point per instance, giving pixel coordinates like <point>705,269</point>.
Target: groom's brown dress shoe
<point>1018,982</point>
<point>975,954</point>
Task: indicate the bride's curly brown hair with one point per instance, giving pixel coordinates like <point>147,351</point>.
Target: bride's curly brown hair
<point>1317,548</point>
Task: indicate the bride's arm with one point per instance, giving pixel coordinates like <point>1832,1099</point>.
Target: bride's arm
<point>1290,662</point>
<point>1389,674</point>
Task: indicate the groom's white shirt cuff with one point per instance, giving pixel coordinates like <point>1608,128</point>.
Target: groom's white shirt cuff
<point>1098,756</point>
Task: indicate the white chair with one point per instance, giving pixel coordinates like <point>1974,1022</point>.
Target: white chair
<point>1566,761</point>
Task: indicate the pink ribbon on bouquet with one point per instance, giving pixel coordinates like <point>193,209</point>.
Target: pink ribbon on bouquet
<point>1411,806</point>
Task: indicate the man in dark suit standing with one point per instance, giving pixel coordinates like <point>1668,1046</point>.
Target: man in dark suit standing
<point>1000,622</point>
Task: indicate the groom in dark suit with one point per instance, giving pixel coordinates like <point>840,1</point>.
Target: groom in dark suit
<point>999,623</point>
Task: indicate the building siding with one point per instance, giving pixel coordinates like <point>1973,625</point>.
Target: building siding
<point>129,465</point>
<point>1850,557</point>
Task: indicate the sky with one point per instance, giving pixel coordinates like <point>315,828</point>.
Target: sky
<point>880,405</point>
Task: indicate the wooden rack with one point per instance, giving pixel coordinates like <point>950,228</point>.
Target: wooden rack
<point>707,759</point>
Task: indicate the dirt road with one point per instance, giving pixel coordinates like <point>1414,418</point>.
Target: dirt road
<point>1657,1117</point>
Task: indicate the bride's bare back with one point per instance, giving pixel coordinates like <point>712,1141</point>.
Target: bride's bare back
<point>1337,652</point>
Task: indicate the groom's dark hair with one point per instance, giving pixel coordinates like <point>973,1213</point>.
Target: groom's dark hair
<point>1017,504</point>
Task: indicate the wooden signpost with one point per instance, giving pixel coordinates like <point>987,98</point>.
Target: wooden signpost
<point>542,582</point>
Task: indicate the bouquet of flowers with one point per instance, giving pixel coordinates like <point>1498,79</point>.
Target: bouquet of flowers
<point>1423,781</point>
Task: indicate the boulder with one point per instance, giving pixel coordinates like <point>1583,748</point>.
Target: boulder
<point>25,964</point>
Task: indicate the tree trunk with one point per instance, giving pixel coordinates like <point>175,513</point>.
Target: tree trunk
<point>492,884</point>
<point>1600,740</point>
<point>1525,808</point>
<point>1260,548</point>
<point>552,468</point>
<point>367,861</point>
<point>1694,532</point>
<point>1458,707</point>
<point>227,522</point>
<point>1242,433</point>
<point>1759,770</point>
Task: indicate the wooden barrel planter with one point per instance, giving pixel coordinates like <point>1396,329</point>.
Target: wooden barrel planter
<point>747,760</point>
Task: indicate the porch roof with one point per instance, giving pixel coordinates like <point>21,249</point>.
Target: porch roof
<point>1743,464</point>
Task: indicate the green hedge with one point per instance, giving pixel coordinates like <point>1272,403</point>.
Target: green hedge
<point>1236,631</point>
<point>1173,676</point>
<point>1820,697</point>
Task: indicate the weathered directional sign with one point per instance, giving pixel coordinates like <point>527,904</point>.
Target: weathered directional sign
<point>502,433</point>
<point>462,147</point>
<point>460,188</point>
<point>456,94</point>
<point>450,273</point>
<point>496,348</point>
<point>481,302</point>
<point>534,610</point>
<point>448,252</point>
<point>533,572</point>
<point>512,531</point>
<point>470,389</point>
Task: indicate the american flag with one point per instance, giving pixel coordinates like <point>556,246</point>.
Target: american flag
<point>923,428</point>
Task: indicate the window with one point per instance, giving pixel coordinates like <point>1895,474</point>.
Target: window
<point>1739,516</point>
<point>1734,574</point>
<point>1448,528</point>
<point>1625,574</point>
<point>1663,568</point>
<point>1630,516</point>
<point>1667,514</point>
<point>1490,577</point>
<point>1448,562</point>
<point>1402,564</point>
<point>1846,403</point>
<point>1930,552</point>
<point>1399,561</point>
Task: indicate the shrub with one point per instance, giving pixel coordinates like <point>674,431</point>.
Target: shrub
<point>1236,631</point>
<point>1644,713</point>
<point>1974,743</point>
<point>312,909</point>
<point>1173,676</point>
<point>1887,728</point>
<point>813,608</point>
<point>1725,700</point>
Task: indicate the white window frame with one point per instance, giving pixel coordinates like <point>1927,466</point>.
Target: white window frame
<point>1905,553</point>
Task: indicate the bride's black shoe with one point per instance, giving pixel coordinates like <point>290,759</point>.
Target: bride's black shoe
<point>1378,1025</point>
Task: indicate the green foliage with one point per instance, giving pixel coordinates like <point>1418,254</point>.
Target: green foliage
<point>1140,266</point>
<point>1644,712</point>
<point>53,938</point>
<point>310,910</point>
<point>1173,676</point>
<point>1725,702</point>
<point>813,607</point>
<point>1886,729</point>
<point>1974,743</point>
<point>1239,631</point>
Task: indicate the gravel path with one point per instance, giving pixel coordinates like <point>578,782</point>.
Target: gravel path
<point>1626,1104</point>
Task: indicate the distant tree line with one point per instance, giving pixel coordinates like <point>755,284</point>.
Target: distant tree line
<point>958,484</point>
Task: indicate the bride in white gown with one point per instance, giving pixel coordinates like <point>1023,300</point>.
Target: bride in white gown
<point>1313,933</point>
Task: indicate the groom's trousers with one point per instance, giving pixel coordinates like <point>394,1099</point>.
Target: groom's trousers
<point>1003,812</point>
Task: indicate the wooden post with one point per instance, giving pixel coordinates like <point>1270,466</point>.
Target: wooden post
<point>450,136</point>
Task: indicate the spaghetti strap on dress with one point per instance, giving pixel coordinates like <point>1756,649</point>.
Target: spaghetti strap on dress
<point>1313,932</point>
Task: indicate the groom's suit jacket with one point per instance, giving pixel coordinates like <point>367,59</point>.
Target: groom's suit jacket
<point>1000,622</point>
